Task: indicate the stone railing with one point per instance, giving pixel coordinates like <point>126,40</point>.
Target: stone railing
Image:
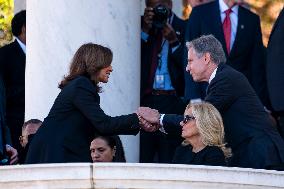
<point>132,175</point>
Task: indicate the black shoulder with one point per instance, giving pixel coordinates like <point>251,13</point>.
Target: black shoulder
<point>6,47</point>
<point>181,148</point>
<point>249,14</point>
<point>178,20</point>
<point>204,7</point>
<point>9,49</point>
<point>214,150</point>
<point>81,82</point>
<point>230,73</point>
<point>214,156</point>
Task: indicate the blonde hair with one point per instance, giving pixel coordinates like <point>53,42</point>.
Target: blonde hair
<point>210,125</point>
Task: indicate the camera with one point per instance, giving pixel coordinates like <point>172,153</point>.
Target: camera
<point>161,15</point>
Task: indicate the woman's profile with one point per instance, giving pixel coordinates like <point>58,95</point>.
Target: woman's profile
<point>76,116</point>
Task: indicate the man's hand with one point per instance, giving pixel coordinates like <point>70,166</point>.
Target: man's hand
<point>12,153</point>
<point>150,115</point>
<point>169,33</point>
<point>146,126</point>
<point>147,19</point>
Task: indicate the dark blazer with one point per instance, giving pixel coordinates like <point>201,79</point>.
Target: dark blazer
<point>254,141</point>
<point>73,121</point>
<point>275,64</point>
<point>13,63</point>
<point>175,65</point>
<point>247,54</point>
<point>210,155</point>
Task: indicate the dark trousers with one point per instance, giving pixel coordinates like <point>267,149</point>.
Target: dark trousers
<point>158,147</point>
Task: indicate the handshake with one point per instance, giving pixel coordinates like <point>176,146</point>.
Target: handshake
<point>149,119</point>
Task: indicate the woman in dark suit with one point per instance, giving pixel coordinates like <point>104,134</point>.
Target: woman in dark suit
<point>203,131</point>
<point>76,116</point>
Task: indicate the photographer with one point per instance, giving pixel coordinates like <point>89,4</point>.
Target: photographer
<point>162,75</point>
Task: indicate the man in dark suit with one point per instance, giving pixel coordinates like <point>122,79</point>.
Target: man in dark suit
<point>275,69</point>
<point>162,79</point>
<point>13,62</point>
<point>239,32</point>
<point>254,142</point>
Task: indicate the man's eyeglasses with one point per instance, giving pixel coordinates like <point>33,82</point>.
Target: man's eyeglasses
<point>187,118</point>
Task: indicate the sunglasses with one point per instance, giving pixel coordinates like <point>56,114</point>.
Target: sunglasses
<point>187,118</point>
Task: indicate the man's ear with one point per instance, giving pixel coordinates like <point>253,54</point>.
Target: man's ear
<point>23,29</point>
<point>207,57</point>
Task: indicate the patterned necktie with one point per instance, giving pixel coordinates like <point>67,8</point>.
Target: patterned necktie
<point>227,29</point>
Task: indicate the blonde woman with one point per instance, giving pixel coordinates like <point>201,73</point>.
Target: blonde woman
<point>203,131</point>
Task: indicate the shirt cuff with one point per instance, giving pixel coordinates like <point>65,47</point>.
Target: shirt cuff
<point>175,48</point>
<point>162,129</point>
<point>144,36</point>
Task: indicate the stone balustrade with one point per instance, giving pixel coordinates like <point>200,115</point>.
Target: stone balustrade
<point>138,176</point>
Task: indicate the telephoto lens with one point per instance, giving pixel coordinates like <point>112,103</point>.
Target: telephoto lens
<point>161,15</point>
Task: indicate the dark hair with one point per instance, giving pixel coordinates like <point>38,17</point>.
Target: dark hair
<point>114,141</point>
<point>18,22</point>
<point>88,61</point>
<point>32,121</point>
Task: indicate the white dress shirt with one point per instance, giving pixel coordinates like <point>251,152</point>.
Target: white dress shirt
<point>22,45</point>
<point>212,75</point>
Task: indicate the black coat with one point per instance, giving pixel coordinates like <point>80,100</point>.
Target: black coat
<point>275,64</point>
<point>254,141</point>
<point>73,121</point>
<point>210,155</point>
<point>12,65</point>
<point>247,54</point>
<point>175,64</point>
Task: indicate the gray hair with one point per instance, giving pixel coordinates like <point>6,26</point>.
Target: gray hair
<point>208,44</point>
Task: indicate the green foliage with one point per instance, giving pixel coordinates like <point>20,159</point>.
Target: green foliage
<point>6,15</point>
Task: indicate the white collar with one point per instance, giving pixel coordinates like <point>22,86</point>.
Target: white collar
<point>212,75</point>
<point>223,7</point>
<point>22,45</point>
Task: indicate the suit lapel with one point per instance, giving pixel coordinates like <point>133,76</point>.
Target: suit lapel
<point>240,31</point>
<point>19,49</point>
<point>176,26</point>
<point>217,26</point>
<point>276,22</point>
<point>220,67</point>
